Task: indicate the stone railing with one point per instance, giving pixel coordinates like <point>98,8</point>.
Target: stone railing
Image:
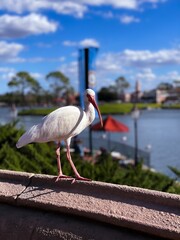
<point>34,206</point>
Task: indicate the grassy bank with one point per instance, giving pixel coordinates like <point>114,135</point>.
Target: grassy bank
<point>172,106</point>
<point>36,111</point>
<point>124,108</point>
<point>107,108</point>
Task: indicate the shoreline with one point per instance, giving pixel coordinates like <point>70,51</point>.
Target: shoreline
<point>107,108</point>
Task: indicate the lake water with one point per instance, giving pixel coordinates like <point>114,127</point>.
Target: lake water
<point>157,129</point>
<point>161,130</point>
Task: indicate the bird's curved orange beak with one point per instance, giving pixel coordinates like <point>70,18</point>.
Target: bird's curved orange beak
<point>93,101</point>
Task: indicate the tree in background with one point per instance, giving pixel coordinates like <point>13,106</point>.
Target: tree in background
<point>106,94</point>
<point>120,85</point>
<point>59,83</point>
<point>70,96</point>
<point>35,94</point>
<point>114,91</point>
<point>24,82</point>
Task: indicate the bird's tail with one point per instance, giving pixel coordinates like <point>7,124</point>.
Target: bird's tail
<point>28,137</point>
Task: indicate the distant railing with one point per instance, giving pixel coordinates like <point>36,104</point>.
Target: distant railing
<point>113,146</point>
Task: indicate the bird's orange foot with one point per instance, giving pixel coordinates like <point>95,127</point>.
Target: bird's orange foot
<point>63,176</point>
<point>81,179</point>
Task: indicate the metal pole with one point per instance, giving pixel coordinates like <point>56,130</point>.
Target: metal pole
<point>90,141</point>
<point>136,142</point>
<point>136,130</point>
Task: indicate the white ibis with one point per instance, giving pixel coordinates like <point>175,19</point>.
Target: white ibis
<point>63,124</point>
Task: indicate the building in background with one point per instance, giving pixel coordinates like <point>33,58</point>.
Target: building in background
<point>137,94</point>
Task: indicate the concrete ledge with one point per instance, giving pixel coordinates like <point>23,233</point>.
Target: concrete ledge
<point>141,210</point>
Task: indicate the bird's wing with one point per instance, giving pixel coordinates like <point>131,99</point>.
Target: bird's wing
<point>63,123</point>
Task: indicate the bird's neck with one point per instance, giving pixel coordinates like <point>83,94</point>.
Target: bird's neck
<point>90,112</point>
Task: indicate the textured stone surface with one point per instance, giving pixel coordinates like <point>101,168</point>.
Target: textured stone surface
<point>142,210</point>
<point>12,184</point>
<point>39,225</point>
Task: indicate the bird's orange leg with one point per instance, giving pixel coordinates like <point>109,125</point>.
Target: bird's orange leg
<point>78,176</point>
<point>60,174</point>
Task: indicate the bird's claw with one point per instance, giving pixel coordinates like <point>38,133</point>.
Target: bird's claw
<point>81,179</point>
<point>62,176</point>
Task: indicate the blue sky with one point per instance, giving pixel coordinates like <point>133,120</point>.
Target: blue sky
<point>137,39</point>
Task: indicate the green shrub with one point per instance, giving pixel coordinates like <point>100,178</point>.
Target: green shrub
<point>41,158</point>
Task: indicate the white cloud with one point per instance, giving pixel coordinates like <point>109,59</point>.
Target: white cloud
<point>88,42</point>
<point>75,8</point>
<point>69,43</point>
<point>9,51</point>
<point>170,76</point>
<point>144,58</point>
<point>69,7</point>
<point>18,26</point>
<point>146,74</point>
<point>150,79</point>
<point>127,19</point>
<point>104,69</point>
<point>6,69</point>
<point>107,63</point>
<point>69,68</point>
<point>37,75</point>
<point>128,4</point>
<point>44,59</point>
<point>137,65</point>
<point>133,65</point>
<point>6,75</point>
<point>71,71</point>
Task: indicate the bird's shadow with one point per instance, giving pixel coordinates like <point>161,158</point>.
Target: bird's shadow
<point>36,192</point>
<point>53,187</point>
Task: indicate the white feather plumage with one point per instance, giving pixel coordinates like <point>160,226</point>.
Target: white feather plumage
<point>63,124</point>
